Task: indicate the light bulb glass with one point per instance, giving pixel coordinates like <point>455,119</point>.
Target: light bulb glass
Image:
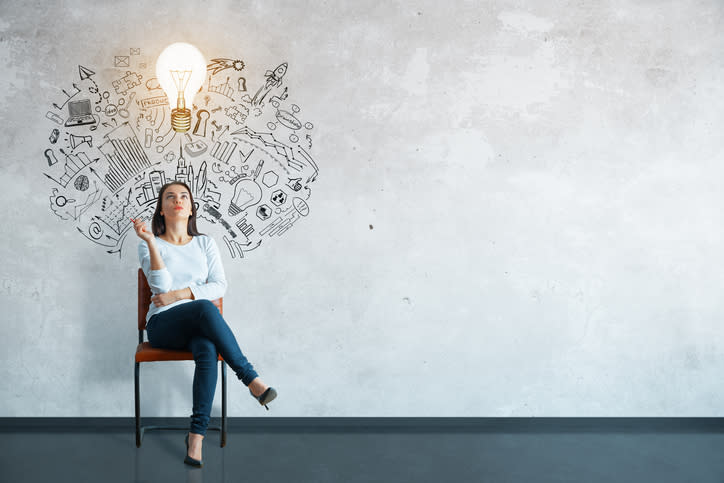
<point>181,70</point>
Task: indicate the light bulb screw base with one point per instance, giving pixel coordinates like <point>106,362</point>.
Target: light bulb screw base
<point>181,120</point>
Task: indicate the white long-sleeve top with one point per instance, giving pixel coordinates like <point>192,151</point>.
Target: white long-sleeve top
<point>196,265</point>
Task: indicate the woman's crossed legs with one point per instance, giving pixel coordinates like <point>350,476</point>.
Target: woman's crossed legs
<point>199,327</point>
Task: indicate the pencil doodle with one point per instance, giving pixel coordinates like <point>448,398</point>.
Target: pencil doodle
<point>270,179</point>
<point>195,148</point>
<point>54,117</point>
<point>109,149</point>
<point>217,65</point>
<point>237,113</point>
<point>68,97</point>
<point>75,141</point>
<point>277,100</point>
<point>85,73</point>
<point>74,163</point>
<point>128,81</point>
<point>224,89</point>
<point>79,113</point>
<point>121,61</point>
<point>202,117</point>
<point>273,79</point>
<point>237,249</point>
<point>263,212</point>
<point>246,193</point>
<point>152,84</point>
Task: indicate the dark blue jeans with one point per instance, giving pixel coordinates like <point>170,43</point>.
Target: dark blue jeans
<point>197,326</point>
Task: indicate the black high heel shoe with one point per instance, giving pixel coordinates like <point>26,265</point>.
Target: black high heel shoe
<point>188,459</point>
<point>266,397</point>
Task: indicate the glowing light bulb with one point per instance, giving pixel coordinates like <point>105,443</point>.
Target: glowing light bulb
<point>181,70</point>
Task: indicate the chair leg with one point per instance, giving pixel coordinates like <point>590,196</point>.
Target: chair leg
<point>223,403</point>
<point>138,405</point>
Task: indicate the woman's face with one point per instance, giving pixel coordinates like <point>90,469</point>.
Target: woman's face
<point>176,203</point>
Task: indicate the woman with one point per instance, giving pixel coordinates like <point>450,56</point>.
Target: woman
<point>184,271</point>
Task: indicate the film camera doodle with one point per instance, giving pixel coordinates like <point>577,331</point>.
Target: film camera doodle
<point>246,156</point>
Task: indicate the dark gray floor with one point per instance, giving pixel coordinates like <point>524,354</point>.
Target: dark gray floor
<point>369,454</point>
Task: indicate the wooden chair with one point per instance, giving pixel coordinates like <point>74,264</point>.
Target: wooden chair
<point>146,353</point>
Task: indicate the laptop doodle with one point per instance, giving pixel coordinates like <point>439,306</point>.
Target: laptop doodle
<point>80,113</point>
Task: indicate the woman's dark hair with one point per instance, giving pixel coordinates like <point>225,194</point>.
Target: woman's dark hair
<point>158,224</point>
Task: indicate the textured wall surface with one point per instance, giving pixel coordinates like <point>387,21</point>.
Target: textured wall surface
<point>516,214</point>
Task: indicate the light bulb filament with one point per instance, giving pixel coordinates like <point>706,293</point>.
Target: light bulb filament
<point>180,79</point>
<point>181,70</point>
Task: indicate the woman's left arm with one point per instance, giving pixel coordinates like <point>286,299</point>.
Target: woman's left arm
<point>166,298</point>
<point>215,285</point>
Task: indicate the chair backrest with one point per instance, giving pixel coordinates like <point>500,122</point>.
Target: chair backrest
<point>144,302</point>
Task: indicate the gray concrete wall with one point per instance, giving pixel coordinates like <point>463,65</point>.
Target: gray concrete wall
<point>516,211</point>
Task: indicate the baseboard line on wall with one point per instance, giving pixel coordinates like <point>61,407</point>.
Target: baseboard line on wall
<point>384,424</point>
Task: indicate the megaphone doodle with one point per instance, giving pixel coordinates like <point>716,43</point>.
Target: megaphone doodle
<point>76,141</point>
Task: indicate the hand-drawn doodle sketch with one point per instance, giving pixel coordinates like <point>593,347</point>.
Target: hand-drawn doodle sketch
<point>217,65</point>
<point>85,72</point>
<point>79,113</point>
<point>68,97</point>
<point>202,117</point>
<point>126,157</point>
<point>224,89</point>
<point>110,147</point>
<point>273,79</point>
<point>128,81</point>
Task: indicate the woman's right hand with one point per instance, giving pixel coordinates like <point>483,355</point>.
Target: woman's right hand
<point>141,230</point>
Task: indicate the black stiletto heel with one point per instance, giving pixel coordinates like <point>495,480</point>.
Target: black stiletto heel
<point>188,459</point>
<point>267,397</point>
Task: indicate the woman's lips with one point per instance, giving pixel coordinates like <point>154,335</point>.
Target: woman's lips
<point>179,208</point>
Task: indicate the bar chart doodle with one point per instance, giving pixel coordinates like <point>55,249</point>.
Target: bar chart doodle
<point>126,157</point>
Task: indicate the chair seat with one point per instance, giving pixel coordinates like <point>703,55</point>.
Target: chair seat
<point>146,353</point>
